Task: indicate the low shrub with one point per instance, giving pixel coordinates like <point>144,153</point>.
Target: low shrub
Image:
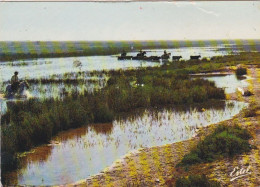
<point>241,71</point>
<point>225,141</point>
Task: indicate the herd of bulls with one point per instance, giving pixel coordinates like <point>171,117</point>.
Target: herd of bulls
<point>142,56</point>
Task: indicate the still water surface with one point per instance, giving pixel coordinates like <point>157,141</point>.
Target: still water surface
<point>79,153</point>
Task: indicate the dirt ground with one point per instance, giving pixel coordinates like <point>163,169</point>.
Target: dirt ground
<point>155,166</point>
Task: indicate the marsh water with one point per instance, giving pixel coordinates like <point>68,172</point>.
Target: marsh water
<point>46,67</point>
<point>229,82</point>
<point>79,153</point>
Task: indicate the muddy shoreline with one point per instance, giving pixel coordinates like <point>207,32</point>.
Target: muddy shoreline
<point>156,165</point>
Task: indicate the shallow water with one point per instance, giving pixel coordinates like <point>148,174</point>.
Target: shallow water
<point>229,82</point>
<point>79,153</point>
<point>45,67</point>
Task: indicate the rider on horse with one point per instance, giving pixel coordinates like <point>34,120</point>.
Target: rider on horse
<point>15,82</point>
<point>123,54</point>
<point>165,55</point>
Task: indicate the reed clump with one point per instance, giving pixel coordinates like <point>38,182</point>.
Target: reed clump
<point>225,141</point>
<point>158,89</point>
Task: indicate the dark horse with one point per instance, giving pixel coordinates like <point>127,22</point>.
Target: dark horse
<point>124,57</point>
<point>166,56</point>
<point>141,53</point>
<point>21,88</point>
<point>140,56</point>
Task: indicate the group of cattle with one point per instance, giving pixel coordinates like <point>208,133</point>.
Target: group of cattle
<point>142,56</point>
<point>177,58</point>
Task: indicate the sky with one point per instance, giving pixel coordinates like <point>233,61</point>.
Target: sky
<point>93,21</point>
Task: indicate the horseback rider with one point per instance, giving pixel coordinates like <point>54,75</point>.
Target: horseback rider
<point>15,82</point>
<point>141,53</point>
<point>123,54</point>
<point>165,55</point>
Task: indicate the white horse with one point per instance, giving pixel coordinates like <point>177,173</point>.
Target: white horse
<point>20,91</point>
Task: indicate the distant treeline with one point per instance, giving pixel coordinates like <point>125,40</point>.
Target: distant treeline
<point>12,50</point>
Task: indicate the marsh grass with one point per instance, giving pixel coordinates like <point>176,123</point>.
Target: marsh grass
<point>225,141</point>
<point>158,89</point>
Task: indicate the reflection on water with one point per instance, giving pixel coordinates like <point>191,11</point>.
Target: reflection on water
<point>79,153</point>
<point>229,82</point>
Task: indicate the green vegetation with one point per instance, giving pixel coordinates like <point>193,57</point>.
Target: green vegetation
<point>241,71</point>
<point>225,141</point>
<point>158,89</point>
<point>196,181</point>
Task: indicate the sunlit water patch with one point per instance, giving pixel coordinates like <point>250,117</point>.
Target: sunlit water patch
<point>229,82</point>
<point>79,153</point>
<point>37,68</point>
